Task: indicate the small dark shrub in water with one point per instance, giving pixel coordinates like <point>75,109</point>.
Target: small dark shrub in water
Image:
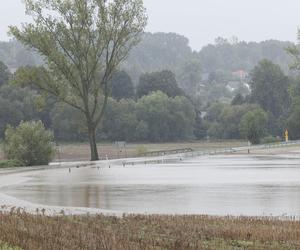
<point>29,143</point>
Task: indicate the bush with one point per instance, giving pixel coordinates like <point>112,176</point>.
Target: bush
<point>11,163</point>
<point>253,125</point>
<point>29,143</point>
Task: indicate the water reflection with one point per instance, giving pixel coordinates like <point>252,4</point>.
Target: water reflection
<point>212,185</point>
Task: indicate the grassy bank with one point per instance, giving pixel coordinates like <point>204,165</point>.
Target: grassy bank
<point>148,232</point>
<point>81,151</point>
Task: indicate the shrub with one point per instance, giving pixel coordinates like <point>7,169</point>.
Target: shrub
<point>11,163</point>
<point>29,143</point>
<point>253,125</point>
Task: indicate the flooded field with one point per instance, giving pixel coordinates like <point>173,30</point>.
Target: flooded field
<point>214,185</point>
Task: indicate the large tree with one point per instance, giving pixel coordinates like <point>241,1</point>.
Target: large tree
<point>253,125</point>
<point>269,86</point>
<point>121,86</point>
<point>166,118</point>
<point>83,43</point>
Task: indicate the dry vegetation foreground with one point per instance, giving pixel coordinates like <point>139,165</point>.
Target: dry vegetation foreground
<point>147,232</point>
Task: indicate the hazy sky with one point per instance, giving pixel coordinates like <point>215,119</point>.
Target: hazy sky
<point>202,20</point>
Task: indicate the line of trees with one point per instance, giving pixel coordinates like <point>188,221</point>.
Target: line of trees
<point>212,66</point>
<point>270,108</point>
<point>161,111</point>
<point>157,110</point>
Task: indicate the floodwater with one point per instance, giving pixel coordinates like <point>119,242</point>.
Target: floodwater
<point>215,185</point>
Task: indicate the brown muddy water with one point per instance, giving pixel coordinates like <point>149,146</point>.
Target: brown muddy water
<point>216,185</point>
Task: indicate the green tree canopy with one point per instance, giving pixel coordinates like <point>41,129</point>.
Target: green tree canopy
<point>4,74</point>
<point>253,125</point>
<point>17,104</point>
<point>224,120</point>
<point>120,120</point>
<point>164,81</point>
<point>233,56</point>
<point>269,87</point>
<point>68,123</point>
<point>83,42</point>
<point>293,121</point>
<point>167,118</point>
<point>29,143</point>
<point>121,86</point>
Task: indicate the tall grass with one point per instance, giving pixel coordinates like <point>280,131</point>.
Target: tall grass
<point>147,232</point>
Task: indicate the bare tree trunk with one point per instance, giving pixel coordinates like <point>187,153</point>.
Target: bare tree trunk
<point>93,144</point>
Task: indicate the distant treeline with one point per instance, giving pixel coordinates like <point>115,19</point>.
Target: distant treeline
<point>160,51</point>
<point>167,92</point>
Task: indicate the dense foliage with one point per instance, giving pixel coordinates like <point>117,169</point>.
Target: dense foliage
<point>209,69</point>
<point>269,87</point>
<point>4,73</point>
<point>253,125</point>
<point>121,86</point>
<point>166,118</point>
<point>224,120</point>
<point>29,143</point>
<point>163,81</point>
<point>164,91</point>
<point>231,56</point>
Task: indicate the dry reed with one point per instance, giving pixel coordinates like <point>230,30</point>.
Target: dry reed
<point>147,232</point>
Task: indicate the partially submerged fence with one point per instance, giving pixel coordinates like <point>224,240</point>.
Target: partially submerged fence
<point>170,156</point>
<point>241,149</point>
<point>167,152</point>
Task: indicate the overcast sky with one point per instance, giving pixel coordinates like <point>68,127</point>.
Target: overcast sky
<point>202,20</point>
